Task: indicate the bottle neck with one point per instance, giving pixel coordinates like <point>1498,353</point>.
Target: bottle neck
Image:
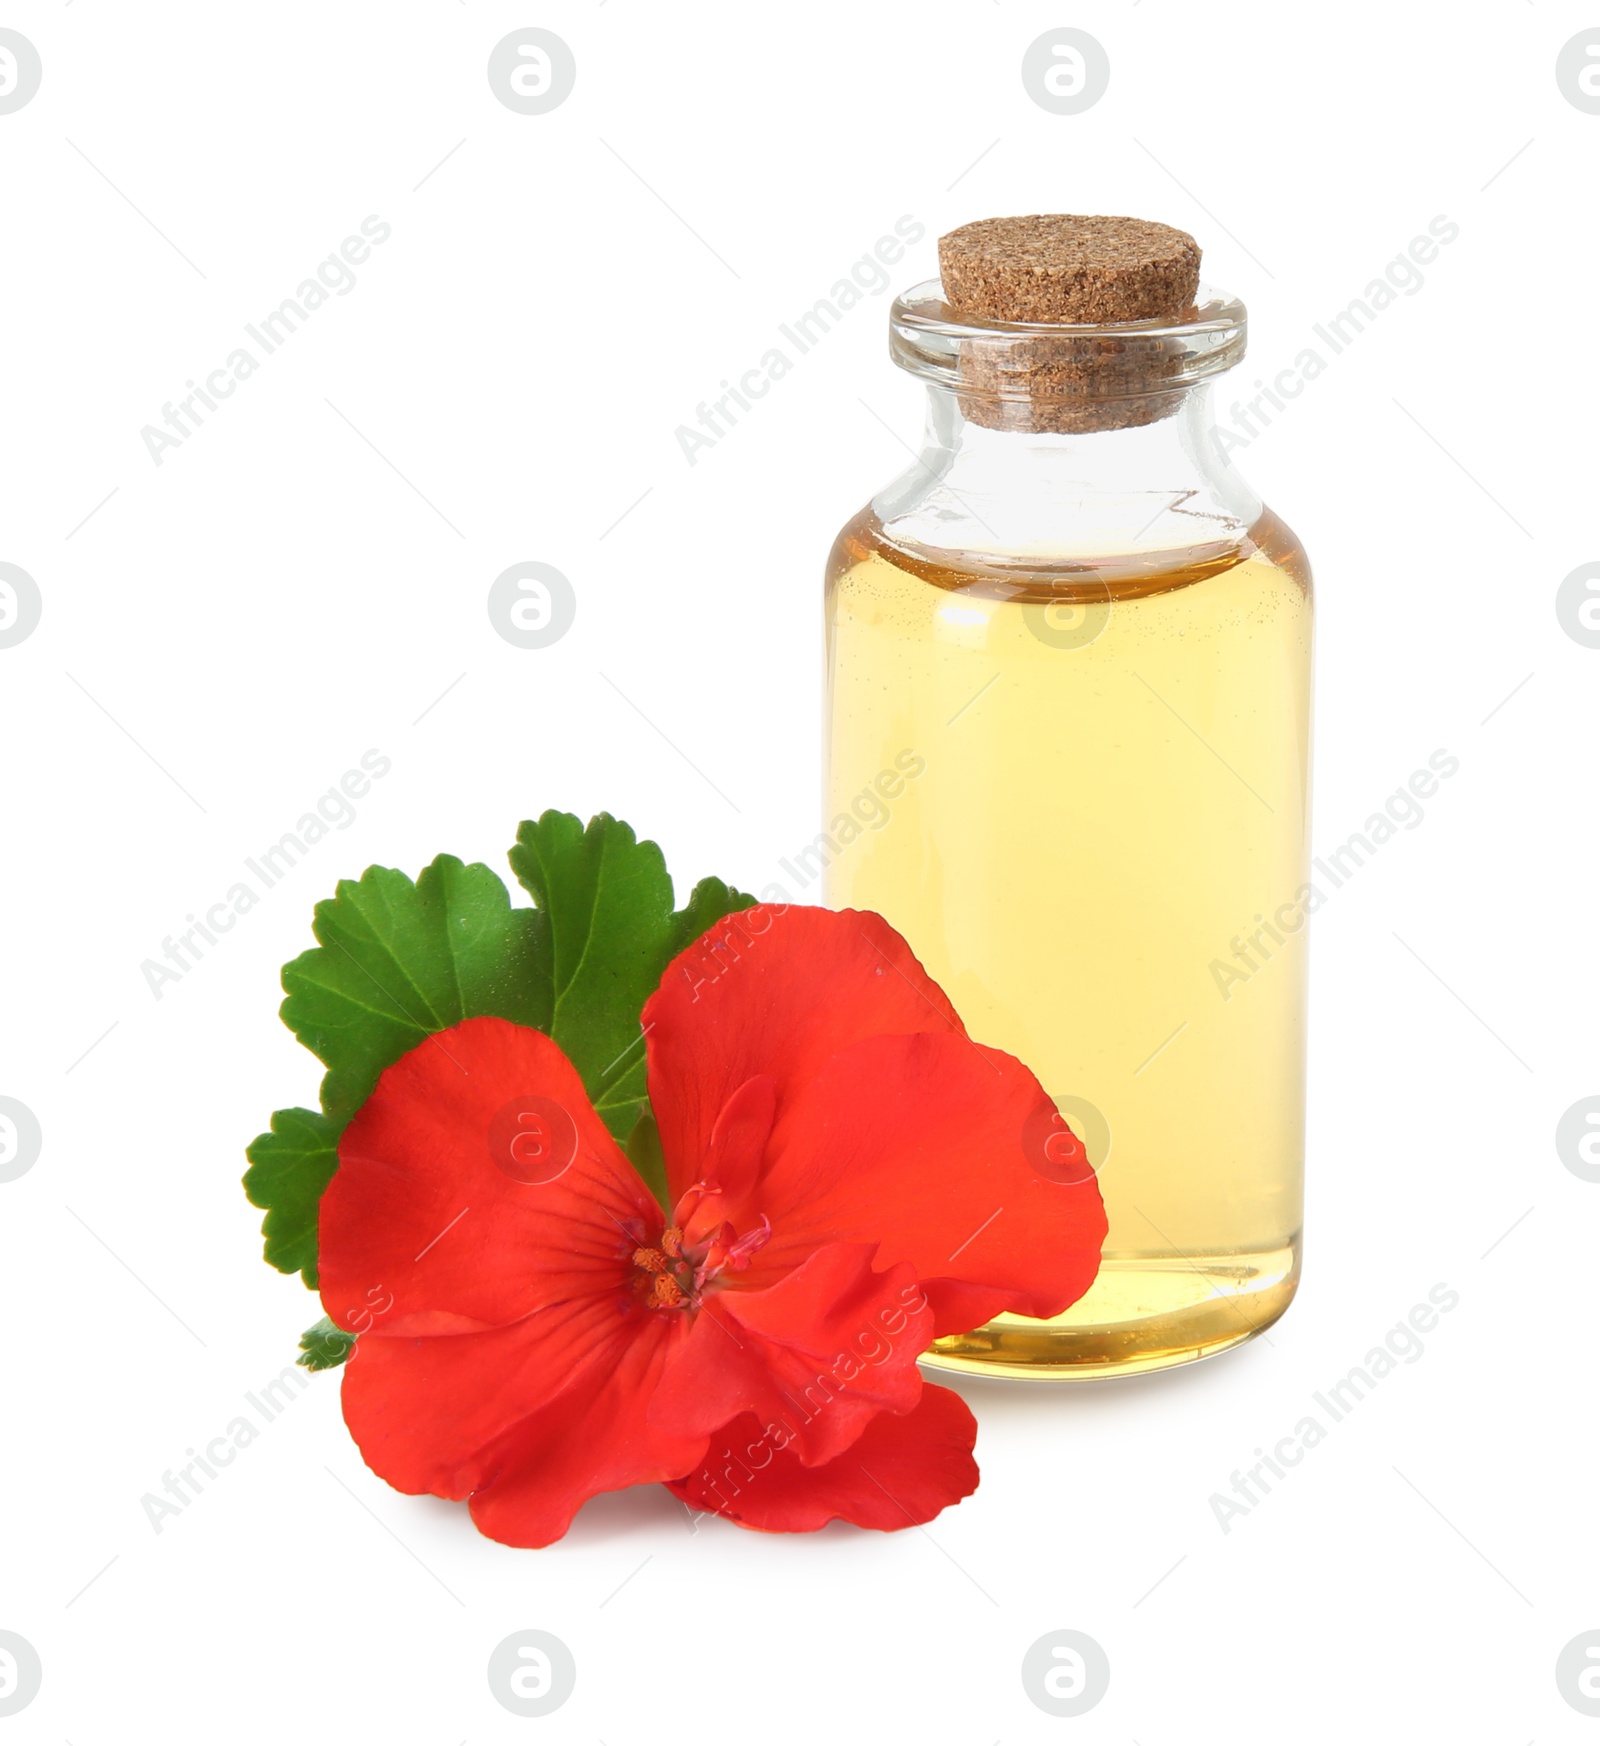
<point>1143,494</point>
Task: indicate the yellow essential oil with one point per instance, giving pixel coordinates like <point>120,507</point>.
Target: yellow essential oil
<point>1103,863</point>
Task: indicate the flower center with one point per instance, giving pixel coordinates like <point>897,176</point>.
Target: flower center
<point>669,1275</point>
<point>675,1274</point>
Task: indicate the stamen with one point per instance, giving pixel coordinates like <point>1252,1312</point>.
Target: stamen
<point>672,1241</point>
<point>650,1260</point>
<point>742,1248</point>
<point>668,1293</point>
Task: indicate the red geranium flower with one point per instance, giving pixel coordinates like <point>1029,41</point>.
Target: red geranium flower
<point>851,1175</point>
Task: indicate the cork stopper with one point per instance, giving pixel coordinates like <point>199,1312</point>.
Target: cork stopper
<point>1061,267</point>
<point>1074,270</point>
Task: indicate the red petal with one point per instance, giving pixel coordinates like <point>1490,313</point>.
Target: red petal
<point>773,990</point>
<point>425,1230</point>
<point>479,1236</point>
<point>823,1350</point>
<point>423,1411</point>
<point>739,1140</point>
<point>900,1471</point>
<point>925,1144</point>
<point>593,1438</point>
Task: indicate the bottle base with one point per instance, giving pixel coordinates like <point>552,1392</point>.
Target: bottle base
<point>1142,1313</point>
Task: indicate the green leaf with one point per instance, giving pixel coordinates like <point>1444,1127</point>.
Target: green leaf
<point>613,931</point>
<point>398,961</point>
<point>325,1346</point>
<point>289,1168</point>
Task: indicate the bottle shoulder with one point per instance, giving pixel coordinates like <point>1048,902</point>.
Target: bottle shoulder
<point>1040,574</point>
<point>1277,542</point>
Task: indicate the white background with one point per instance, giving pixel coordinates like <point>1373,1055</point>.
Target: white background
<point>305,578</point>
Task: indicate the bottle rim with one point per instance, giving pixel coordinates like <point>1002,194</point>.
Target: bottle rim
<point>1083,360</point>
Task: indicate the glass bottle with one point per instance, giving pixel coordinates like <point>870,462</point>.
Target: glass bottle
<point>1081,647</point>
